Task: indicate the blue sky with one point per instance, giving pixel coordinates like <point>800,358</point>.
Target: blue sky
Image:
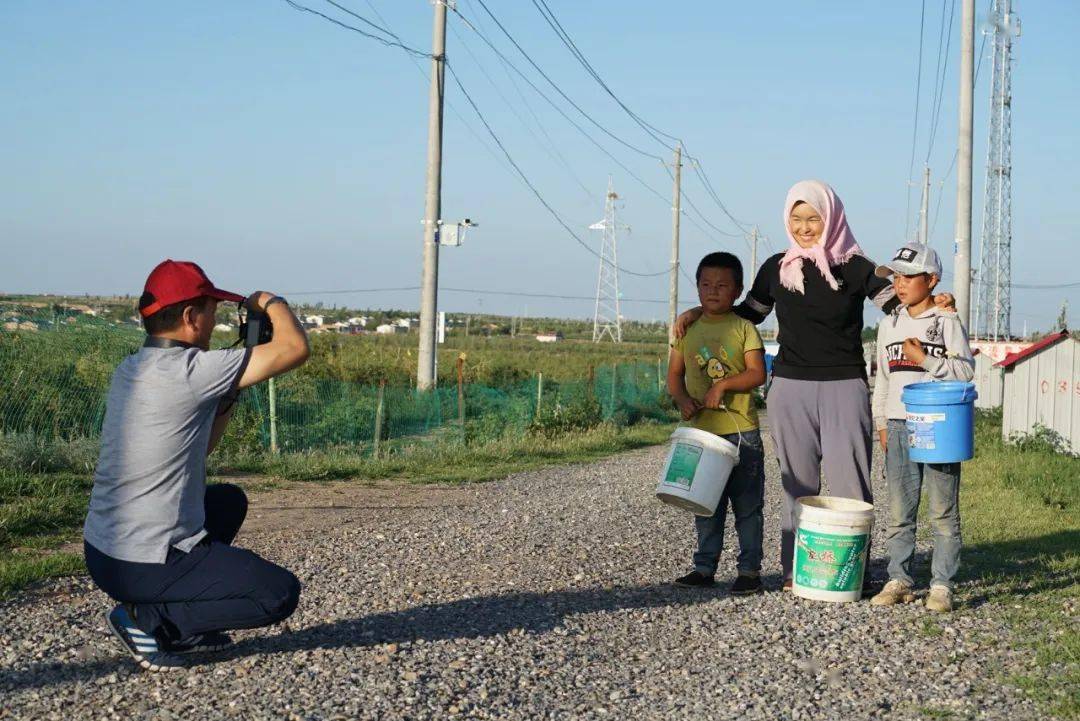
<point>284,153</point>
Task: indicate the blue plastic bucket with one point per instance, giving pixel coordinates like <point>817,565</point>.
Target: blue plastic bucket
<point>940,421</point>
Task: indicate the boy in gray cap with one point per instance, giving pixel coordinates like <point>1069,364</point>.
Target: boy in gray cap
<point>917,342</point>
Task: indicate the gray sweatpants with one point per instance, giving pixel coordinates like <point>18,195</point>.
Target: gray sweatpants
<point>819,426</point>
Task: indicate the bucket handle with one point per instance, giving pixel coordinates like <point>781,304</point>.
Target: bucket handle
<point>734,421</point>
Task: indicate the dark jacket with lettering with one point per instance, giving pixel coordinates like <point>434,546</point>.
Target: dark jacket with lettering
<point>948,357</point>
<point>820,331</point>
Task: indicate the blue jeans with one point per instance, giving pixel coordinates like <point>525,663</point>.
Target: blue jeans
<point>745,491</point>
<point>906,479</point>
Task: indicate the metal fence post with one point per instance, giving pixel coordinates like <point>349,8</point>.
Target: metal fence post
<point>539,392</point>
<point>659,377</point>
<point>461,393</point>
<point>273,417</point>
<point>614,384</point>
<point>380,416</point>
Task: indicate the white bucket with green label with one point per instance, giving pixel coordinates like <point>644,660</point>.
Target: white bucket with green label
<point>697,470</point>
<point>832,538</point>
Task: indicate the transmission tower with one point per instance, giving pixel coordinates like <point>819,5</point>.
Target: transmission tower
<point>607,319</point>
<point>995,254</point>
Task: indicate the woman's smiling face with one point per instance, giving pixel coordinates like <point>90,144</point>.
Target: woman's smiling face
<point>805,225</point>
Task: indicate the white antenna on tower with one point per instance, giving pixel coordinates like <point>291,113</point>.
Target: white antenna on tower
<point>607,318</point>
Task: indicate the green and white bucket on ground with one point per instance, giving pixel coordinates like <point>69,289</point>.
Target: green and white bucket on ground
<point>697,470</point>
<point>832,539</point>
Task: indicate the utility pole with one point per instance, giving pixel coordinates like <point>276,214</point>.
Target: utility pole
<point>676,212</point>
<point>924,215</point>
<point>962,250</point>
<point>429,286</point>
<point>753,256</point>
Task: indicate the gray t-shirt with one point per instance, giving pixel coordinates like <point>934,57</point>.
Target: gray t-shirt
<point>151,474</point>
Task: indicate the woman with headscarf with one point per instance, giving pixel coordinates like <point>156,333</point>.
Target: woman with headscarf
<point>819,400</point>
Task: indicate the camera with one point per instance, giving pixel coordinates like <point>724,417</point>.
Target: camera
<point>255,327</point>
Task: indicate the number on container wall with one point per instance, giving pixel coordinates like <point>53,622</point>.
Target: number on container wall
<point>1044,387</point>
<point>1063,386</point>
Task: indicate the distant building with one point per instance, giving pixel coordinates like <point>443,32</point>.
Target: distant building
<point>224,328</point>
<point>313,321</point>
<point>387,329</point>
<point>989,381</point>
<point>360,320</point>
<point>550,337</point>
<point>1042,387</point>
<point>996,350</point>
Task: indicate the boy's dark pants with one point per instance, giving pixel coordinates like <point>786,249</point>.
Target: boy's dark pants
<point>215,587</point>
<point>745,491</point>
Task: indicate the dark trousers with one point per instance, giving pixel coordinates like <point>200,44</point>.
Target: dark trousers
<point>214,587</point>
<point>745,491</point>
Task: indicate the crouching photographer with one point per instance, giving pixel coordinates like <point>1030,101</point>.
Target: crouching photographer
<point>158,540</point>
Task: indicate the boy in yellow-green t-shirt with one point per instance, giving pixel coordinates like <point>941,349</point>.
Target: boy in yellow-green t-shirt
<point>711,373</point>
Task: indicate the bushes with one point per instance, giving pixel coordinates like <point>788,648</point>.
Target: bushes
<point>33,453</point>
<point>1040,440</point>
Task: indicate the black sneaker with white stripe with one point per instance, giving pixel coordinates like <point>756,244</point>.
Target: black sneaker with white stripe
<point>143,647</point>
<point>200,643</point>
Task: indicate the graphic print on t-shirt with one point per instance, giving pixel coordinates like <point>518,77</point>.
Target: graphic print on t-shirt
<point>716,368</point>
<point>933,344</point>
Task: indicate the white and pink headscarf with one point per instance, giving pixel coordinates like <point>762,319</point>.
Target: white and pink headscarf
<point>837,244</point>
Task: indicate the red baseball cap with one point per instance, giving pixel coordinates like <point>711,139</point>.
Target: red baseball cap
<point>174,281</point>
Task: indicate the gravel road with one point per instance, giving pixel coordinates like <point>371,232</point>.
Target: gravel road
<point>545,595</point>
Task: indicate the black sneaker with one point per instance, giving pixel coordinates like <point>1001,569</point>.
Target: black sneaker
<point>745,585</point>
<point>201,643</point>
<point>694,579</point>
<point>871,587</point>
<point>143,647</point>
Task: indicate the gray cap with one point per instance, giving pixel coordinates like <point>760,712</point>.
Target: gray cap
<point>912,259</point>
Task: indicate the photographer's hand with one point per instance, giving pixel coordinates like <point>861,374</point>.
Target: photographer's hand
<point>257,301</point>
<point>286,350</point>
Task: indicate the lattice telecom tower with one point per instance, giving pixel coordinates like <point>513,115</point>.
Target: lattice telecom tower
<point>607,318</point>
<point>995,254</point>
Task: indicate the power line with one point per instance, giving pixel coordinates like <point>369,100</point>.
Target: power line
<point>453,109</point>
<point>700,172</point>
<point>915,127</point>
<point>509,65</point>
<point>956,153</point>
<point>393,43</point>
<point>549,16</point>
<point>549,148</point>
<point>528,182</point>
<point>476,291</point>
<point>478,114</point>
<point>1026,286</point>
<point>939,75</point>
<point>555,25</point>
<point>555,85</point>
<point>397,42</point>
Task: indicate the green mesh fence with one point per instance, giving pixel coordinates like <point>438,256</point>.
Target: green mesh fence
<point>55,373</point>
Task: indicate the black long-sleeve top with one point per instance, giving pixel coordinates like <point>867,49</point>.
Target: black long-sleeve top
<point>820,332</point>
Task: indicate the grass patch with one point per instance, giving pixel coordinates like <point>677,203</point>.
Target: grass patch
<point>460,463</point>
<point>1020,510</point>
<point>41,511</point>
<point>930,628</point>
